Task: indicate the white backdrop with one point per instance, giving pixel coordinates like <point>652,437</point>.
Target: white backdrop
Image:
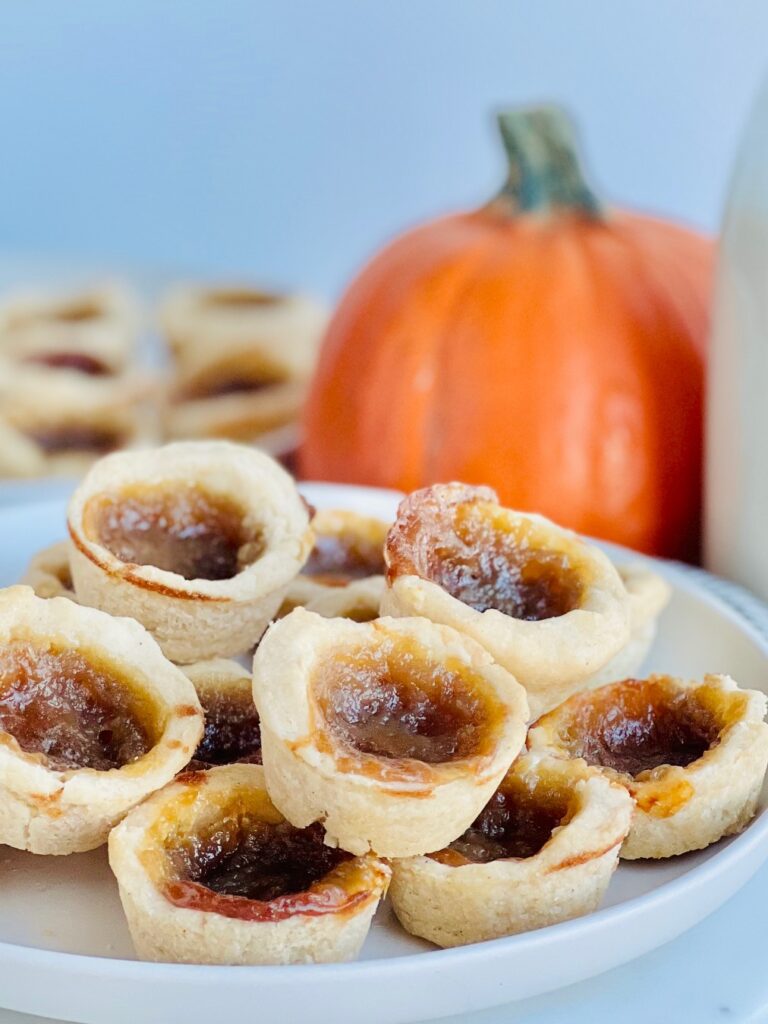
<point>288,138</point>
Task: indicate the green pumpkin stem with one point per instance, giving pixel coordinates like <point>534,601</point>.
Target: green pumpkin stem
<point>545,174</point>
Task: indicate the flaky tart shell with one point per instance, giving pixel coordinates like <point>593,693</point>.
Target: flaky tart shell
<point>165,931</point>
<point>649,594</point>
<point>194,619</point>
<point>451,900</point>
<point>395,806</point>
<point>221,331</point>
<point>357,598</point>
<point>52,811</point>
<point>678,807</point>
<point>91,331</point>
<point>20,458</point>
<point>48,572</point>
<point>552,657</point>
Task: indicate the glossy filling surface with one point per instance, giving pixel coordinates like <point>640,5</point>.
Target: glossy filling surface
<point>260,871</point>
<point>77,361</point>
<point>184,530</point>
<point>74,712</point>
<point>338,559</point>
<point>516,822</point>
<point>75,438</point>
<point>392,702</point>
<point>637,725</point>
<point>232,730</point>
<point>482,557</point>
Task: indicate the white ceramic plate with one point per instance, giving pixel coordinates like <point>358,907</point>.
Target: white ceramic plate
<point>65,951</point>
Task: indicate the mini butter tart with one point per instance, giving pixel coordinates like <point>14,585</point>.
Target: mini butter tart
<point>393,733</point>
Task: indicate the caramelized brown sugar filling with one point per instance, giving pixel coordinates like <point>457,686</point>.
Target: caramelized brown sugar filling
<point>243,298</point>
<point>637,725</point>
<point>516,822</point>
<point>484,558</point>
<point>391,701</point>
<point>74,711</point>
<point>76,438</point>
<point>180,529</point>
<point>76,312</point>
<point>250,869</point>
<point>339,558</point>
<point>232,730</point>
<point>77,361</point>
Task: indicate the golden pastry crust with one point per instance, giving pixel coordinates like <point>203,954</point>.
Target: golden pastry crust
<point>226,331</point>
<point>225,520</point>
<point>171,920</point>
<point>393,733</point>
<point>71,419</point>
<point>344,575</point>
<point>48,572</point>
<point>565,609</point>
<point>92,332</point>
<point>232,734</point>
<point>20,458</point>
<point>692,754</point>
<point>136,722</point>
<point>243,416</point>
<point>648,595</point>
<point>542,851</point>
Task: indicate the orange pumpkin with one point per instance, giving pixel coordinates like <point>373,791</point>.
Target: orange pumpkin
<point>542,344</point>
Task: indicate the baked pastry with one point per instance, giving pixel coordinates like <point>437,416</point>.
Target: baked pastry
<point>196,540</point>
<point>344,574</point>
<point>243,359</point>
<point>91,332</point>
<point>549,607</point>
<point>692,754</point>
<point>71,419</point>
<point>210,872</point>
<point>20,458</point>
<point>541,851</point>
<point>92,719</point>
<point>648,595</point>
<point>232,734</point>
<point>393,733</point>
<point>48,572</point>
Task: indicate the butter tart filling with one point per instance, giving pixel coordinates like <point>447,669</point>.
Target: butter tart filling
<point>347,547</point>
<point>184,530</point>
<point>516,822</point>
<point>92,440</point>
<point>393,733</point>
<point>693,755</point>
<point>637,725</point>
<point>79,362</point>
<point>72,711</point>
<point>232,728</point>
<point>462,540</point>
<point>255,870</point>
<point>392,702</point>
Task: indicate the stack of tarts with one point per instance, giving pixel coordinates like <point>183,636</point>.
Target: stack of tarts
<point>441,709</point>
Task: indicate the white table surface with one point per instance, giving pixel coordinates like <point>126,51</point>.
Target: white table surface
<point>714,973</point>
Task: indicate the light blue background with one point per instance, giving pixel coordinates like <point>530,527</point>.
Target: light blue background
<point>288,139</point>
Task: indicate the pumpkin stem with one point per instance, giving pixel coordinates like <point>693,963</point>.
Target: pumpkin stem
<point>544,170</point>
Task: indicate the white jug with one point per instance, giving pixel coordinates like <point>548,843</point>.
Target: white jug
<point>736,479</point>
